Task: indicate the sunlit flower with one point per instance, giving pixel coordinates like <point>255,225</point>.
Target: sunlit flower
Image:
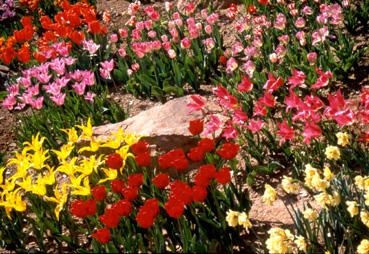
<point>280,241</point>
<point>310,214</point>
<point>332,153</point>
<point>363,247</point>
<point>352,208</point>
<point>300,243</point>
<point>244,221</point>
<point>232,218</point>
<point>343,139</point>
<point>270,195</point>
<point>289,185</point>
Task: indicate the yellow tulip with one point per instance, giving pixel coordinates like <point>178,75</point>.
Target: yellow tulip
<point>64,152</point>
<point>68,168</point>
<point>81,190</point>
<point>72,135</point>
<point>38,159</point>
<point>89,165</point>
<point>35,145</point>
<point>60,199</point>
<point>94,146</point>
<point>86,129</point>
<point>111,175</point>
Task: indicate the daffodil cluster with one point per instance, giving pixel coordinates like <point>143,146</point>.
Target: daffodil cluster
<point>235,219</point>
<point>34,172</point>
<point>283,241</point>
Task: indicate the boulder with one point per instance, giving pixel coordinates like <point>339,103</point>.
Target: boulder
<point>164,126</point>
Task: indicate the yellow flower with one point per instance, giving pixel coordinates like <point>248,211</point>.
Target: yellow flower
<point>72,135</point>
<point>244,221</point>
<point>86,129</point>
<point>60,199</point>
<point>310,172</point>
<point>78,189</point>
<point>328,175</point>
<point>12,200</point>
<point>363,247</point>
<point>21,161</point>
<point>359,182</point>
<point>270,195</point>
<point>64,152</point>
<point>343,139</point>
<point>300,243</point>
<point>2,169</point>
<point>35,145</point>
<point>93,147</point>
<point>232,218</point>
<point>38,159</point>
<point>280,241</point>
<point>123,152</point>
<point>289,186</point>
<point>68,168</point>
<point>332,153</point>
<point>336,199</point>
<point>89,165</point>
<point>323,198</point>
<point>310,214</point>
<point>110,173</point>
<point>364,216</point>
<point>319,184</point>
<point>352,208</point>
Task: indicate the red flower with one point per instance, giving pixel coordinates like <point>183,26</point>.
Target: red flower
<point>199,193</point>
<point>102,235</point>
<point>174,208</point>
<point>90,206</point>
<point>130,193</point>
<point>147,213</point>
<point>196,154</point>
<point>161,181</point>
<point>223,60</point>
<point>196,126</point>
<point>223,176</point>
<point>122,208</point>
<point>94,27</point>
<point>206,144</point>
<point>114,161</point>
<point>204,175</point>
<point>140,147</point>
<point>135,180</point>
<point>99,193</point>
<point>24,55</point>
<point>77,37</point>
<point>263,2</point>
<point>82,209</point>
<point>110,218</point>
<point>228,151</point>
<point>174,158</point>
<point>143,159</point>
<point>251,9</point>
<point>117,186</point>
<point>181,192</point>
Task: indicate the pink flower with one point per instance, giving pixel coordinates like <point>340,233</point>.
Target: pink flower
<point>285,131</point>
<point>9,102</point>
<point>323,79</point>
<point>229,132</point>
<point>185,43</point>
<point>311,130</point>
<point>213,125</point>
<point>106,68</point>
<point>90,46</point>
<point>197,104</point>
<point>90,96</point>
<point>113,38</point>
<point>280,21</point>
<point>320,35</point>
<point>311,57</point>
<point>297,78</point>
<point>255,125</point>
<point>231,65</point>
<point>268,100</point>
<point>239,117</point>
<point>272,84</point>
<point>79,88</point>
<point>245,85</point>
<point>58,66</point>
<point>249,67</point>
<point>37,103</point>
<point>58,99</point>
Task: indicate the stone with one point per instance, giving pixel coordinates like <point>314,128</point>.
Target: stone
<point>164,126</point>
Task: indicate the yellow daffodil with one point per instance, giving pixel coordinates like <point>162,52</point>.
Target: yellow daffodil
<point>328,175</point>
<point>86,129</point>
<point>280,241</point>
<point>310,214</point>
<point>300,243</point>
<point>60,199</point>
<point>290,186</point>
<point>364,216</point>
<point>310,172</point>
<point>343,139</point>
<point>244,221</point>
<point>363,247</point>
<point>13,200</point>
<point>232,218</point>
<point>72,135</point>
<point>332,153</point>
<point>352,208</point>
<point>110,173</point>
<point>64,152</point>
<point>270,195</point>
